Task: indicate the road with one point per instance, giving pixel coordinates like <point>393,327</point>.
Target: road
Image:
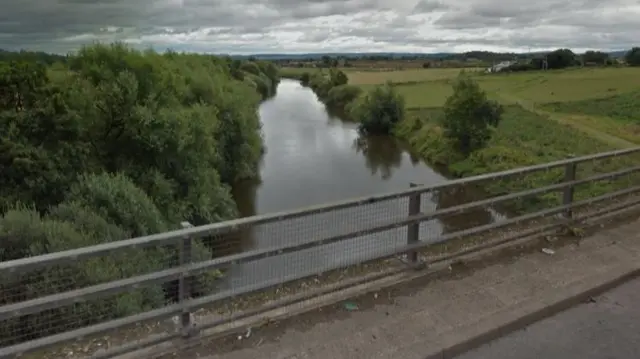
<point>608,327</point>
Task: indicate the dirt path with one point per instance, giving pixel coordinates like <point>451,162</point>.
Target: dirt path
<point>570,120</point>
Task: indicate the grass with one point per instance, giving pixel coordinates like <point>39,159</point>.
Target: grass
<point>406,76</point>
<point>624,107</point>
<point>538,87</point>
<point>614,115</point>
<point>523,138</point>
<point>601,103</point>
<point>548,116</point>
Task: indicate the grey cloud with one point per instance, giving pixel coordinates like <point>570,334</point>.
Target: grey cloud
<point>316,8</point>
<point>466,20</point>
<point>515,13</point>
<point>290,25</point>
<point>427,6</point>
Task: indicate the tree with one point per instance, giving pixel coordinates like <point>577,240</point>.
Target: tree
<point>595,57</point>
<point>632,57</point>
<point>469,117</point>
<point>337,78</point>
<point>379,110</point>
<point>560,59</point>
<point>340,96</point>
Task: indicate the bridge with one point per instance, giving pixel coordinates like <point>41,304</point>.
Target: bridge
<point>270,267</point>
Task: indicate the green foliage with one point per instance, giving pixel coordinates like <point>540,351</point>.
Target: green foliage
<point>37,235</point>
<point>341,96</point>
<point>625,106</point>
<point>596,57</point>
<point>469,117</point>
<point>305,78</point>
<point>337,78</point>
<point>321,82</point>
<point>110,143</point>
<point>379,110</point>
<point>522,138</point>
<point>633,57</point>
<point>117,199</point>
<point>560,59</point>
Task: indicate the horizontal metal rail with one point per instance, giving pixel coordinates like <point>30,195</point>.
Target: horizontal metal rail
<point>124,285</point>
<point>229,226</point>
<point>171,310</point>
<point>289,300</point>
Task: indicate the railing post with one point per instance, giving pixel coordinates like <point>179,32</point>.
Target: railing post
<point>567,195</point>
<point>185,282</point>
<point>413,229</point>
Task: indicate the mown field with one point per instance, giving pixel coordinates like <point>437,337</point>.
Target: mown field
<point>548,116</point>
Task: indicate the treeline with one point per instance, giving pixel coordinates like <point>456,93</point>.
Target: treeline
<point>560,58</point>
<point>110,143</point>
<point>31,56</point>
<point>565,58</point>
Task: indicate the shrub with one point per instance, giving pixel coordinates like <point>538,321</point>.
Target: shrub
<point>379,110</point>
<point>340,96</point>
<point>469,117</point>
<point>632,57</point>
<point>45,235</point>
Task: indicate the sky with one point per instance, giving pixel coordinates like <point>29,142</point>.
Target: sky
<point>305,26</point>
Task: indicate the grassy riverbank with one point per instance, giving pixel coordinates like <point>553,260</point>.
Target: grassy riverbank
<point>548,116</point>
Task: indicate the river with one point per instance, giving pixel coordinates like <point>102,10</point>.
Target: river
<point>313,158</point>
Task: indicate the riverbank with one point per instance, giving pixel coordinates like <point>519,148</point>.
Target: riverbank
<point>548,116</point>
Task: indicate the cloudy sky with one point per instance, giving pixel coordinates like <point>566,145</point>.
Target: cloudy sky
<point>298,26</point>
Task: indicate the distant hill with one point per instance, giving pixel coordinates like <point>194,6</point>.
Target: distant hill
<point>393,55</point>
<point>619,53</point>
<point>348,55</point>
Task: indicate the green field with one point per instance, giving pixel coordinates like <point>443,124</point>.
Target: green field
<point>538,87</point>
<point>548,116</point>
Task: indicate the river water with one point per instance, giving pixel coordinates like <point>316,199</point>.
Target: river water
<point>314,158</point>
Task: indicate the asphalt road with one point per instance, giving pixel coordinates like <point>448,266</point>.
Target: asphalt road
<point>607,327</point>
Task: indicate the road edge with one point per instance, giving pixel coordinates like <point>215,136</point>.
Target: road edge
<point>519,322</point>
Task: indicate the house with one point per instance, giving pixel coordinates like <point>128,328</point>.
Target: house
<point>501,66</point>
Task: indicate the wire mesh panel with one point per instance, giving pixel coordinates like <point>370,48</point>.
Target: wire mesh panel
<point>63,305</point>
<point>217,270</point>
<point>336,253</point>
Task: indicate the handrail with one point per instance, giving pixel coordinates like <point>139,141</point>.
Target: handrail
<point>227,226</point>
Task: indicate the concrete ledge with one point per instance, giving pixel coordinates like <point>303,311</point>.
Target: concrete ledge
<point>512,319</point>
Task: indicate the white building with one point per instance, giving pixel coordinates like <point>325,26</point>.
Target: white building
<point>501,66</point>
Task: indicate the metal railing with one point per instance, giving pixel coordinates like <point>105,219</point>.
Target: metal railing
<point>282,248</point>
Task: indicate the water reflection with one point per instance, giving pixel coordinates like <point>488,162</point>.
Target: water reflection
<point>382,154</point>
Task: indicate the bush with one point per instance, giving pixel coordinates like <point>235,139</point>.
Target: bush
<point>632,57</point>
<point>119,201</point>
<point>340,96</point>
<point>112,142</point>
<point>379,110</point>
<point>304,79</point>
<point>469,117</point>
<point>45,235</point>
